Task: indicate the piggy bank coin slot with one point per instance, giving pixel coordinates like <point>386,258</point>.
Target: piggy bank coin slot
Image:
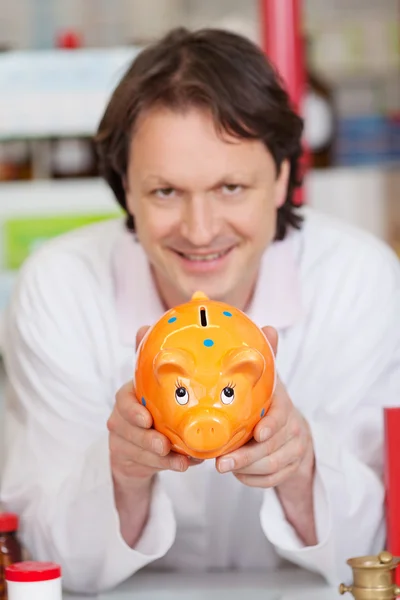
<point>203,317</point>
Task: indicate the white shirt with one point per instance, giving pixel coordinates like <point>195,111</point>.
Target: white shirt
<point>332,292</point>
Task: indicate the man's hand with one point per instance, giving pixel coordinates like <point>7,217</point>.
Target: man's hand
<point>137,453</point>
<point>137,450</point>
<point>281,456</point>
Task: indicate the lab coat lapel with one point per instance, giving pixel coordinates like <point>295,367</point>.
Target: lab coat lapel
<point>277,299</point>
<point>137,299</point>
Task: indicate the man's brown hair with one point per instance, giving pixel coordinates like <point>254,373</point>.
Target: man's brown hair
<point>213,69</point>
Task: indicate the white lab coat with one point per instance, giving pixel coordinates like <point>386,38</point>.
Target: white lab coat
<point>333,294</point>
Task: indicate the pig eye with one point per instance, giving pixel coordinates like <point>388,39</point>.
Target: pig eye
<point>227,395</point>
<point>181,395</point>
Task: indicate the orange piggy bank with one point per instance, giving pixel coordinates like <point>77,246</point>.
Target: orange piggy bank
<point>206,373</point>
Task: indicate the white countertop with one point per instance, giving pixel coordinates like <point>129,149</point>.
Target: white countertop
<point>289,584</point>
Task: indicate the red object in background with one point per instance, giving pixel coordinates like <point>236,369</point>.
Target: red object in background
<point>282,42</point>
<point>32,571</point>
<point>8,522</point>
<point>69,40</point>
<point>392,480</point>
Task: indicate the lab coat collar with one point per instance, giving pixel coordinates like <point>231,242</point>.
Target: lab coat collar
<point>137,299</point>
<point>276,300</point>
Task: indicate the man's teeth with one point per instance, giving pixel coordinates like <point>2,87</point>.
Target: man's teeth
<point>205,257</point>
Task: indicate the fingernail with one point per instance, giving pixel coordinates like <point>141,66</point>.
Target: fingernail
<point>264,434</point>
<point>177,465</point>
<point>141,421</point>
<point>226,464</point>
<point>157,446</point>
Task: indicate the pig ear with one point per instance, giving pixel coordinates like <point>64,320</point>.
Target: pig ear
<point>244,361</point>
<point>173,361</point>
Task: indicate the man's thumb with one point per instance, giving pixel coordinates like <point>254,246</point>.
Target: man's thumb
<point>140,334</point>
<point>272,336</point>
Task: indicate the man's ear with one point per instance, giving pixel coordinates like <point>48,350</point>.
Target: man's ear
<point>281,184</point>
<point>128,198</point>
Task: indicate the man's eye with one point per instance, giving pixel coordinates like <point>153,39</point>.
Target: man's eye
<point>232,188</point>
<point>164,192</point>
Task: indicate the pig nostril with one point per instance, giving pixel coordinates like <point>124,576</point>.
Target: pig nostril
<point>199,430</point>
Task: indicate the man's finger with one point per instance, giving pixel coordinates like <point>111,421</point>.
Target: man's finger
<point>152,440</point>
<point>277,416</point>
<point>126,452</point>
<point>277,461</point>
<point>250,453</point>
<point>147,439</point>
<point>131,409</point>
<point>268,481</point>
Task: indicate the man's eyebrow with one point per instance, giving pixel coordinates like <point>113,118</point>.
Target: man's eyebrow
<point>235,177</point>
<point>232,178</point>
<point>157,180</point>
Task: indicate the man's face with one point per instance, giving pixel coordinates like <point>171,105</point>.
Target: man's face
<point>205,207</point>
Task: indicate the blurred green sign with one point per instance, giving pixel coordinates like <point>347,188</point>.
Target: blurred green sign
<point>22,236</point>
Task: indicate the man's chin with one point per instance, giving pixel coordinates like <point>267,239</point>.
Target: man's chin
<point>215,290</point>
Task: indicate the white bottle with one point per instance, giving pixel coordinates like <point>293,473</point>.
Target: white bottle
<point>31,580</point>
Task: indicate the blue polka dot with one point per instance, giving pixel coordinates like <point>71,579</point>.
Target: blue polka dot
<point>208,343</point>
<point>143,402</point>
<point>172,320</point>
<point>227,313</point>
<point>262,412</point>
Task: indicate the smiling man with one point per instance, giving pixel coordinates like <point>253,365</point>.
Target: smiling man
<point>200,146</point>
<point>204,211</point>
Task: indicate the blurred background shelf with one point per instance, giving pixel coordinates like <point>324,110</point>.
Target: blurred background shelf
<point>56,92</point>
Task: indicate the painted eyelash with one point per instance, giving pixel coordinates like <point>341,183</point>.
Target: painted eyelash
<point>179,384</point>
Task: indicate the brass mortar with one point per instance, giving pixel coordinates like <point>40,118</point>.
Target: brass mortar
<point>373,577</point>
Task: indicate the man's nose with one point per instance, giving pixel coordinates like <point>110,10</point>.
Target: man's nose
<point>199,221</point>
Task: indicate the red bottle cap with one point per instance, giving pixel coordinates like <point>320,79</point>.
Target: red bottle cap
<point>8,522</point>
<point>31,571</point>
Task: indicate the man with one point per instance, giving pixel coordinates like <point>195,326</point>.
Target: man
<point>201,148</point>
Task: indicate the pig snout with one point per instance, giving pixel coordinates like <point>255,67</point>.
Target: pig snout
<point>205,433</point>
